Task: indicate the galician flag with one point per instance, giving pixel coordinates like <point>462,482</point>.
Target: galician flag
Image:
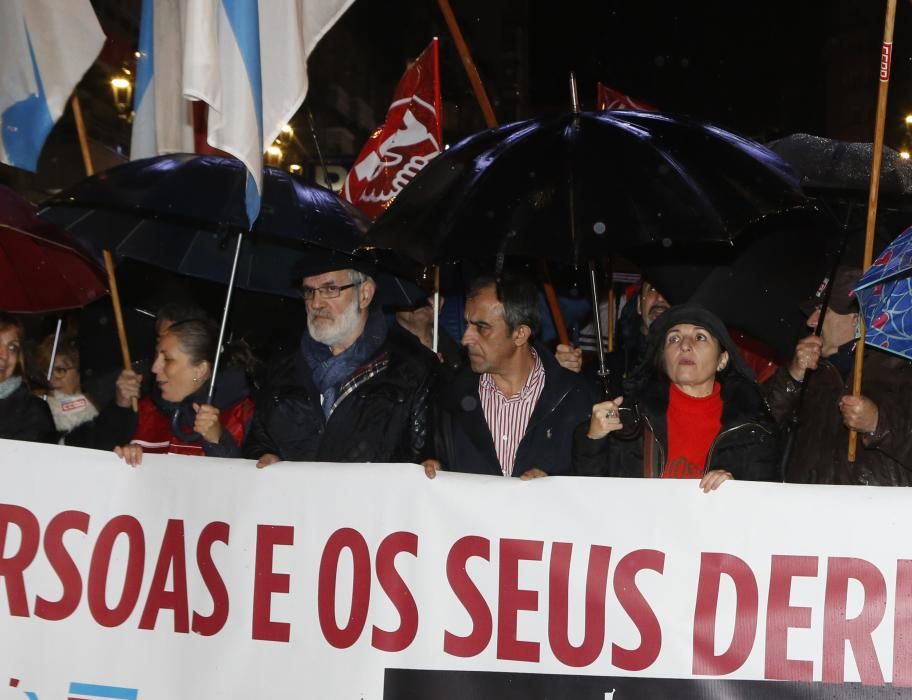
<point>247,60</point>
<point>45,48</point>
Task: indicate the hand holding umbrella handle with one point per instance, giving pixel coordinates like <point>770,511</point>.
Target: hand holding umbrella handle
<point>118,318</point>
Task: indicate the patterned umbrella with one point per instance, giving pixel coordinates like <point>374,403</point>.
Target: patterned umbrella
<point>885,296</point>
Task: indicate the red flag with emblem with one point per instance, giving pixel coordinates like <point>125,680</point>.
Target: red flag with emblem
<point>612,99</point>
<point>403,145</point>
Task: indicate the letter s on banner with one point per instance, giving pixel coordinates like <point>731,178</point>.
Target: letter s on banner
<point>470,597</point>
<point>63,565</point>
<point>397,592</point>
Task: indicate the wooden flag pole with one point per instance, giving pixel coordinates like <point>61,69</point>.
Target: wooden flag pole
<point>474,78</point>
<point>81,133</point>
<point>491,121</point>
<point>118,317</point>
<point>886,55</point>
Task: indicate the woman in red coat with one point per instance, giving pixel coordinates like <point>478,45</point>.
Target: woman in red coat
<point>175,418</point>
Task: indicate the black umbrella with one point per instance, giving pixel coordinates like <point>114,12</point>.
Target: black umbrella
<point>837,176</point>
<point>757,286</point>
<point>183,213</point>
<point>577,187</point>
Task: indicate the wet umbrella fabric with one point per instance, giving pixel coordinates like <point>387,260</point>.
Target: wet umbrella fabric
<point>577,187</point>
<point>183,213</point>
<point>40,271</point>
<point>757,286</point>
<point>885,297</point>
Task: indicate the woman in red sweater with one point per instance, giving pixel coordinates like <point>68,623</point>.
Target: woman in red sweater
<point>175,418</point>
<point>692,410</point>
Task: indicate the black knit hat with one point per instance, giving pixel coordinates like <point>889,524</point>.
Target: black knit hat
<point>697,316</point>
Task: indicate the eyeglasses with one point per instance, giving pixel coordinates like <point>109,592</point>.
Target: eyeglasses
<point>329,291</point>
<point>61,371</point>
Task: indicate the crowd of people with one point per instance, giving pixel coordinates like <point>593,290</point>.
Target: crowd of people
<point>362,386</point>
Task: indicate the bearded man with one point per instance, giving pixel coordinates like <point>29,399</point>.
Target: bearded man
<point>351,392</point>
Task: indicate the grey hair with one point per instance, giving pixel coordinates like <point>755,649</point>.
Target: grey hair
<point>356,277</point>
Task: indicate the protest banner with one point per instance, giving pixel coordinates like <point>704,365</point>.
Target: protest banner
<point>206,578</point>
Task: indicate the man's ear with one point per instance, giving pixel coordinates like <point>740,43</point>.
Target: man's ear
<point>522,334</point>
<point>366,292</point>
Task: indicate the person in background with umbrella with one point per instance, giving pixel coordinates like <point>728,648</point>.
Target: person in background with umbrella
<point>23,416</point>
<point>73,411</point>
<point>352,391</point>
<point>700,411</point>
<point>823,411</point>
<point>175,417</point>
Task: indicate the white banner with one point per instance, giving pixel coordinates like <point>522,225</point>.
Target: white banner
<point>206,578</point>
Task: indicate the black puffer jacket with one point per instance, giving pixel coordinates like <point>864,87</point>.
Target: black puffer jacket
<point>464,442</point>
<point>820,449</point>
<point>747,444</point>
<point>382,413</point>
<point>24,416</point>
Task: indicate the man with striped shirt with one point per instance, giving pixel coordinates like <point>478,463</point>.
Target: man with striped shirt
<point>513,410</point>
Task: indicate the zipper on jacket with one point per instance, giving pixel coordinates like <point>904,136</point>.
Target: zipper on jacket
<point>655,473</point>
<point>727,431</point>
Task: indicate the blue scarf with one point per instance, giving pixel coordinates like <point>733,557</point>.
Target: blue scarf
<point>8,386</point>
<point>329,371</point>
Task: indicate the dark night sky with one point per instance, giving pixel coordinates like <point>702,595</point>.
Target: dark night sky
<point>761,68</point>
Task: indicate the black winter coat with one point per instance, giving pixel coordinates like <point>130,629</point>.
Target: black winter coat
<point>747,444</point>
<point>382,413</point>
<point>464,442</point>
<point>24,416</point>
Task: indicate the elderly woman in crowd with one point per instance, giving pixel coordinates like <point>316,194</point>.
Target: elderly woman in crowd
<point>23,416</point>
<point>73,411</point>
<point>175,417</point>
<point>693,410</point>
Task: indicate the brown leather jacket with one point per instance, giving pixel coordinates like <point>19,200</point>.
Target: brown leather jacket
<point>820,445</point>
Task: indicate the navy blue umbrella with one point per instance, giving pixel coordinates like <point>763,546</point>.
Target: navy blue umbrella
<point>184,212</point>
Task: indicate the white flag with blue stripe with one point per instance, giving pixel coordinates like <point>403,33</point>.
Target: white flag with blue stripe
<point>246,59</point>
<point>45,48</point>
<point>163,119</point>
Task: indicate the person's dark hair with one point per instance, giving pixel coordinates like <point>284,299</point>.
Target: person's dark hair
<point>67,346</point>
<point>199,339</point>
<point>7,320</point>
<point>519,296</point>
<point>176,312</point>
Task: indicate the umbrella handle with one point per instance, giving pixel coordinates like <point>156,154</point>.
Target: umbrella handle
<point>181,435</point>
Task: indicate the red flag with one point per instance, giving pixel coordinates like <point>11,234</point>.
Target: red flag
<point>408,140</point>
<point>612,99</point>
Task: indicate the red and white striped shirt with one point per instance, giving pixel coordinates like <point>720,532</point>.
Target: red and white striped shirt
<point>508,416</point>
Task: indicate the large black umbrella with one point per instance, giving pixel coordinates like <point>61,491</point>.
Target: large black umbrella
<point>757,286</point>
<point>577,187</point>
<point>184,212</point>
<point>837,175</point>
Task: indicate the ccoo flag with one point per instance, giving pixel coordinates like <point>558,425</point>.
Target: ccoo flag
<point>246,59</point>
<point>405,143</point>
<point>45,48</point>
<point>608,98</point>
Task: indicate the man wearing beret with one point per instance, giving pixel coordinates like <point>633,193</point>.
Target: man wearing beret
<point>350,392</point>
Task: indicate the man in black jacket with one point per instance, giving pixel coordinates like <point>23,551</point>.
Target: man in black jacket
<point>512,412</point>
<point>351,392</point>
